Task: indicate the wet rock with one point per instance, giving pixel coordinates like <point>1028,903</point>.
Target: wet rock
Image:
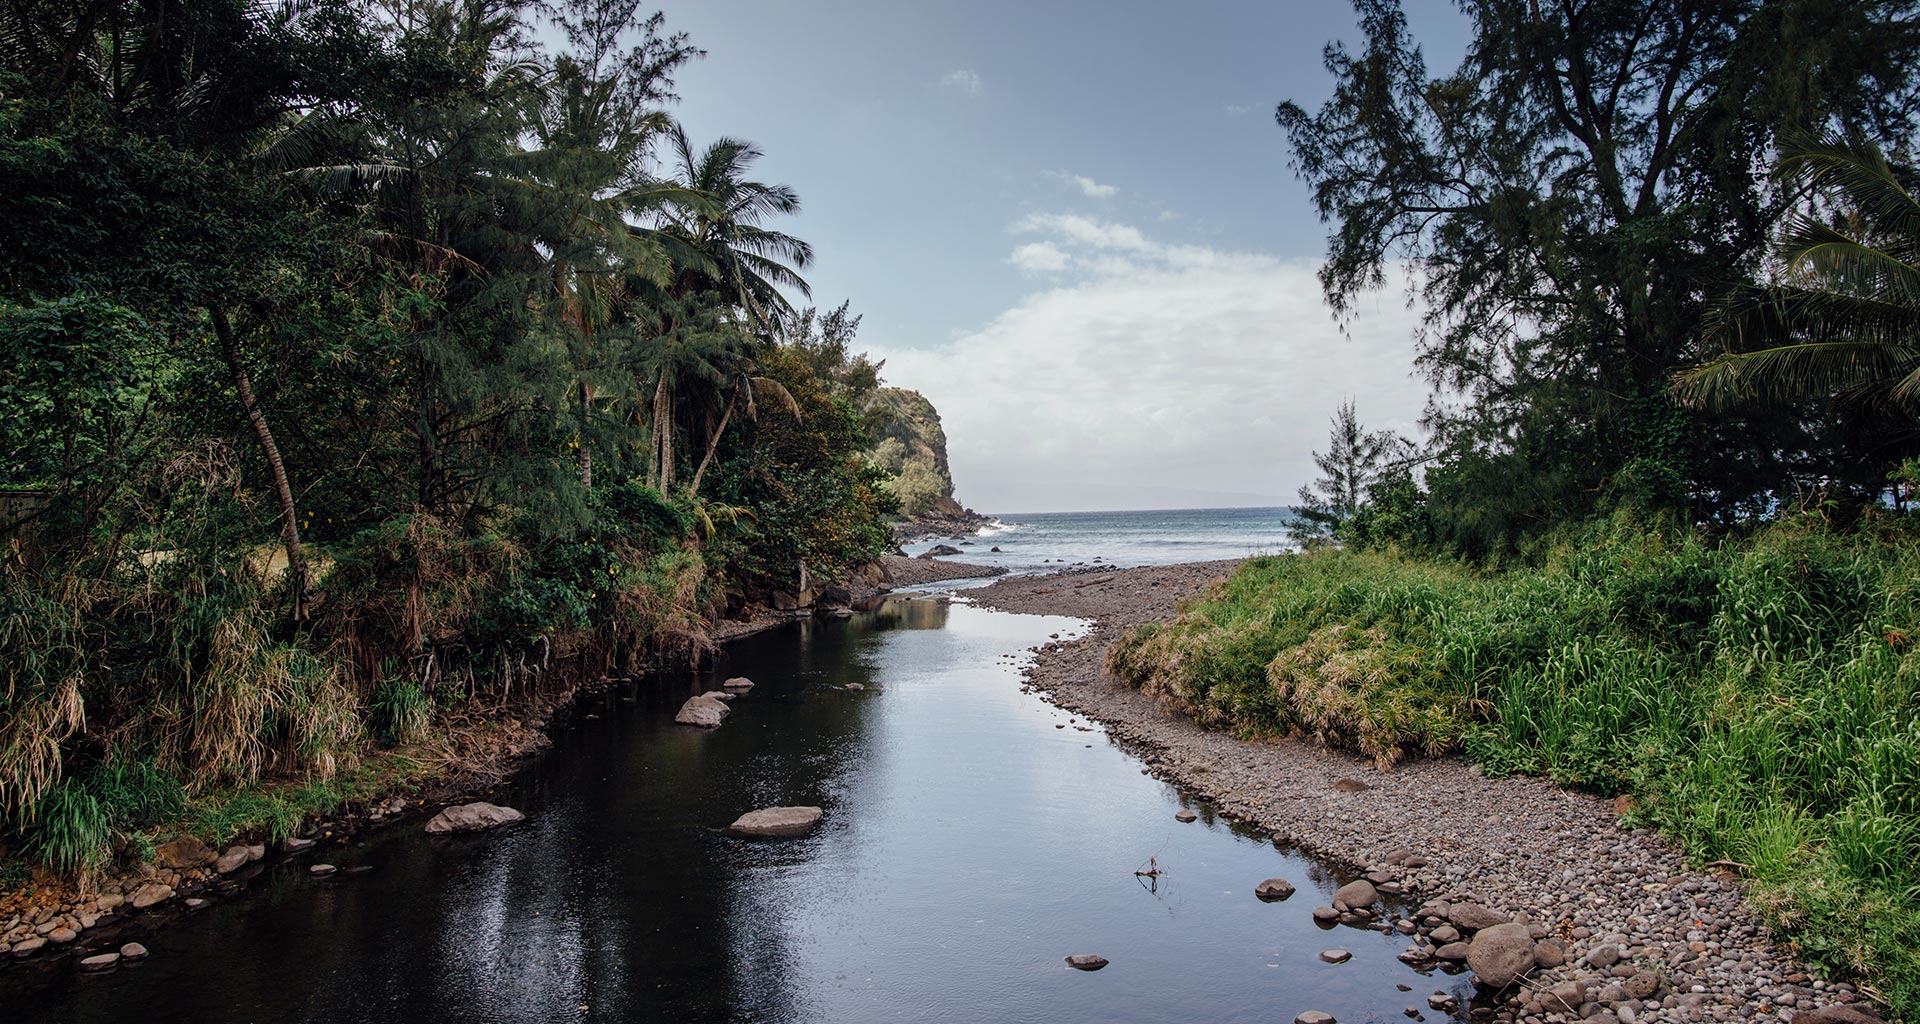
<point>1086,962</point>
<point>183,852</point>
<point>150,894</point>
<point>1356,894</point>
<point>62,936</point>
<point>100,962</point>
<point>297,845</point>
<point>321,869</point>
<point>1275,889</point>
<point>232,860</point>
<point>776,822</point>
<point>1501,954</point>
<point>1471,917</point>
<point>133,951</point>
<point>704,712</point>
<point>739,683</point>
<point>720,695</point>
<point>1185,815</point>
<point>28,946</point>
<point>473,817</point>
<point>854,687</point>
<point>1325,915</point>
<point>939,551</point>
<point>1314,1017</point>
<point>1335,956</point>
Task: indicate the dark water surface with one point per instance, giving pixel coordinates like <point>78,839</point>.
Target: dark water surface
<point>968,846</point>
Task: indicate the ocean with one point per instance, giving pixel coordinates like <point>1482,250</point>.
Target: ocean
<point>1043,541</point>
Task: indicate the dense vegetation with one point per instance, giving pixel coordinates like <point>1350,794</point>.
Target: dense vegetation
<point>366,367</point>
<point>1655,541</point>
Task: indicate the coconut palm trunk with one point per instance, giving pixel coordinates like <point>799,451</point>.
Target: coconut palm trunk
<point>289,518</point>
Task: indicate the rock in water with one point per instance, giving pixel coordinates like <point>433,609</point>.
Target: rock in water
<point>1356,894</point>
<point>473,817</point>
<point>321,869</point>
<point>150,894</point>
<point>1335,956</point>
<point>776,821</point>
<point>133,951</point>
<point>1500,955</point>
<point>1086,962</point>
<point>940,551</point>
<point>738,683</point>
<point>1184,815</point>
<point>705,712</point>
<point>100,962</point>
<point>1273,889</point>
<point>1314,1017</point>
<point>232,860</point>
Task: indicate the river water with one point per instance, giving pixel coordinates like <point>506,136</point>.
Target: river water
<point>969,844</point>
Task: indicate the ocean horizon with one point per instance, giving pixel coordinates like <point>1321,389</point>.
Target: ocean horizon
<point>1029,542</point>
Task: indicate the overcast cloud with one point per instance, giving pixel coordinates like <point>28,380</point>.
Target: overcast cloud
<point>1144,374</point>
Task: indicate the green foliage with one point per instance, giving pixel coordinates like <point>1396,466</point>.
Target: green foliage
<point>1759,697</point>
<point>917,487</point>
<point>400,710</point>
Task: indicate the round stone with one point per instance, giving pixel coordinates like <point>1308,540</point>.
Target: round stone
<point>1086,962</point>
<point>1335,956</point>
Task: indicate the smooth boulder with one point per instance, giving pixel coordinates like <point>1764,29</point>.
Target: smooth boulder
<point>1356,894</point>
<point>704,712</point>
<point>1273,889</point>
<point>1086,962</point>
<point>232,860</point>
<point>473,817</point>
<point>776,822</point>
<point>99,962</point>
<point>1471,917</point>
<point>1501,955</point>
<point>738,683</point>
<point>183,852</point>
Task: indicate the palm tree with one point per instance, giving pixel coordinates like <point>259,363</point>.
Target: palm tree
<point>1844,319</point>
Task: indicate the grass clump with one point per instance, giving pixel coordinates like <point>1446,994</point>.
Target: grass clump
<point>1760,698</point>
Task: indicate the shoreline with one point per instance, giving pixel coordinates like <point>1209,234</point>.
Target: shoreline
<point>1520,845</point>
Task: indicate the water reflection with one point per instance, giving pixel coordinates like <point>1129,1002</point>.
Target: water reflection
<point>969,844</point>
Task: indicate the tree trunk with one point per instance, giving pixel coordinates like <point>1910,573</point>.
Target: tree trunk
<point>289,519</point>
<point>586,446</point>
<point>663,432</point>
<point>713,444</point>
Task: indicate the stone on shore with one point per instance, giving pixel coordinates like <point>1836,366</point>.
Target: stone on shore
<point>1325,915</point>
<point>1501,955</point>
<point>940,551</point>
<point>296,845</point>
<point>1273,889</point>
<point>183,852</point>
<point>1086,962</point>
<point>1471,917</point>
<point>473,817</point>
<point>133,951</point>
<point>150,894</point>
<point>1356,894</point>
<point>28,946</point>
<point>704,712</point>
<point>100,962</point>
<point>232,860</point>
<point>1838,1014</point>
<point>776,822</point>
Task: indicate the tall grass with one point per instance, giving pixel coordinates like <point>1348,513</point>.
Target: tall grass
<point>1761,699</point>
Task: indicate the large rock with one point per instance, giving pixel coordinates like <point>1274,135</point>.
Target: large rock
<point>705,712</point>
<point>940,551</point>
<point>183,852</point>
<point>741,683</point>
<point>1836,1014</point>
<point>150,894</point>
<point>232,860</point>
<point>776,821</point>
<point>1471,917</point>
<point>473,817</point>
<point>1501,955</point>
<point>1356,894</point>
<point>1273,889</point>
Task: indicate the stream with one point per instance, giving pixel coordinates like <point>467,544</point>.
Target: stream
<point>970,844</point>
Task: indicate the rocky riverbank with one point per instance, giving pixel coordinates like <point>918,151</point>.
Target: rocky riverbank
<point>1618,927</point>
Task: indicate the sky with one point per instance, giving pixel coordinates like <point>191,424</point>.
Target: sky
<point>1073,227</point>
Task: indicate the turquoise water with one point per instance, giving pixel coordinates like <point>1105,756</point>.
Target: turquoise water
<point>1037,541</point>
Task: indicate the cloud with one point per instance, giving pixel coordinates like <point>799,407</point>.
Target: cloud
<point>963,80</point>
<point>1087,186</point>
<point>1040,258</point>
<point>1157,374</point>
<point>1237,109</point>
